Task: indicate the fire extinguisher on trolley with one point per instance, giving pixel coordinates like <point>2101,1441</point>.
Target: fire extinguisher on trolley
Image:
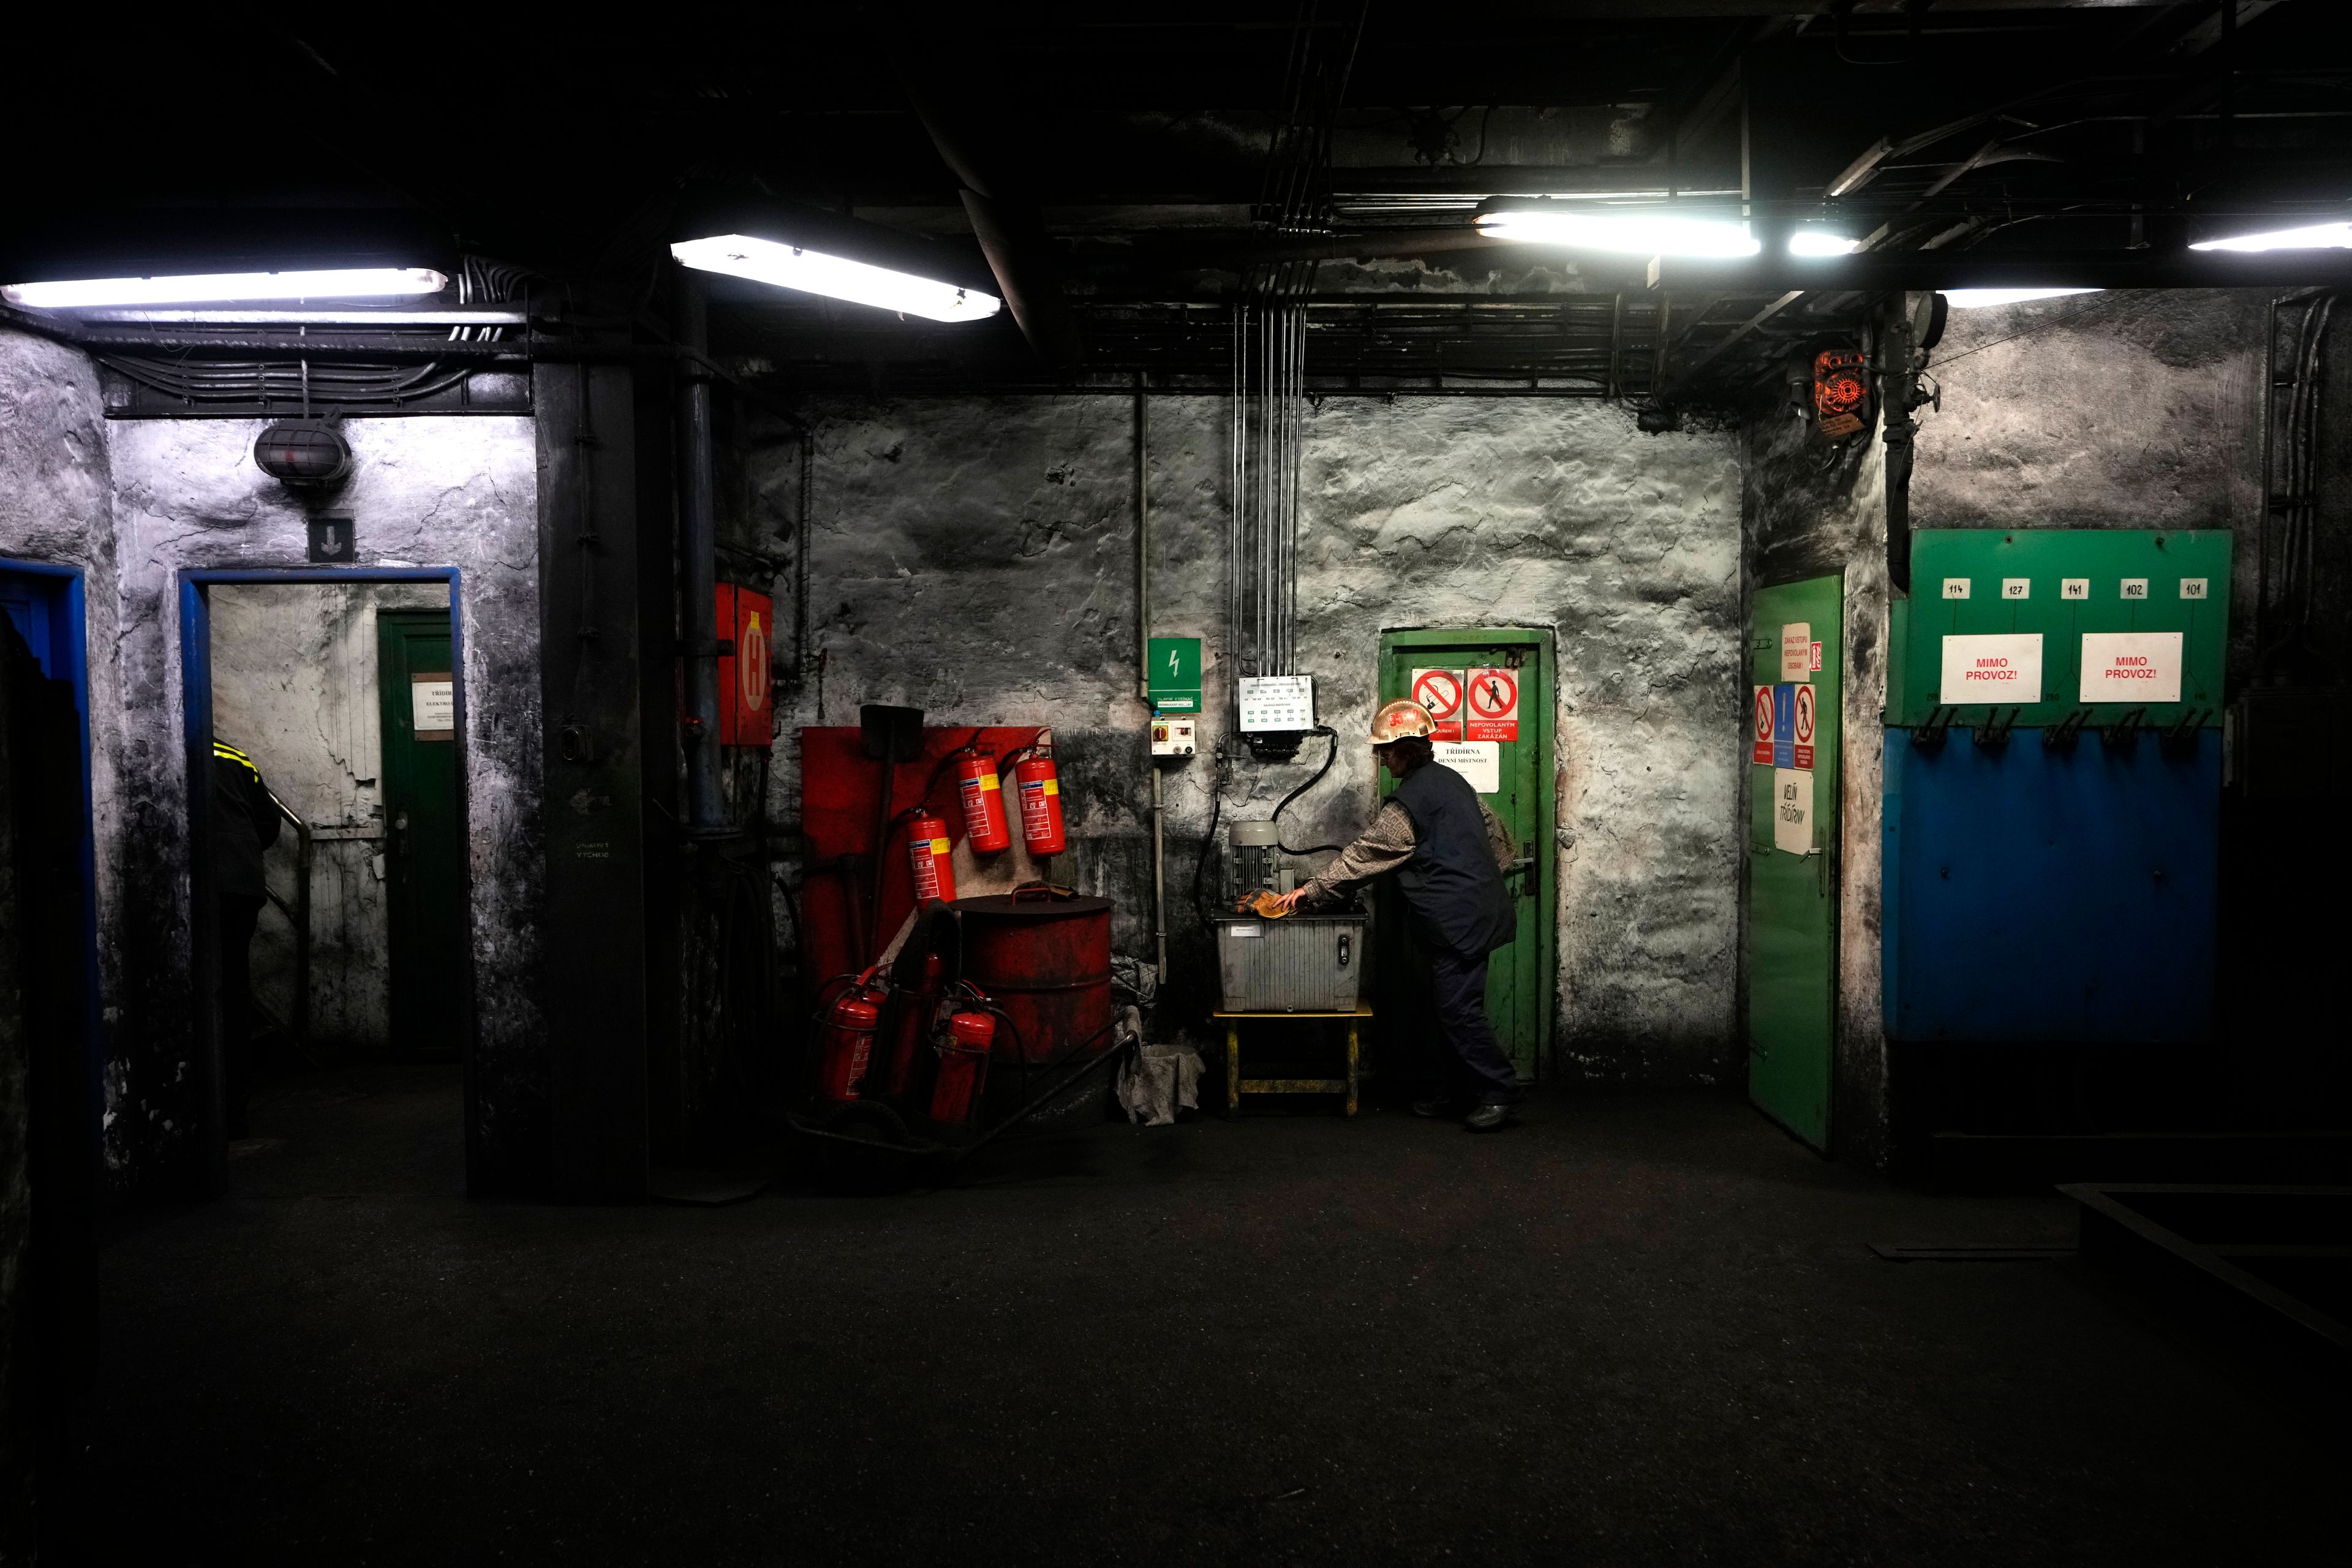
<point>964,1046</point>
<point>844,1038</point>
<point>1041,798</point>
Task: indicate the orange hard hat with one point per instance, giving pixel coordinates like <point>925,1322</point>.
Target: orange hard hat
<point>1402,718</point>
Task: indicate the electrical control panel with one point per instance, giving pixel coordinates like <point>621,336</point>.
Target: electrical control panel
<point>2086,624</point>
<point>1277,704</point>
<point>1175,737</point>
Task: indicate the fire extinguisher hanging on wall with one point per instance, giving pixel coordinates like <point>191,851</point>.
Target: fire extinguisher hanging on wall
<point>927,855</point>
<point>985,828</point>
<point>1041,799</point>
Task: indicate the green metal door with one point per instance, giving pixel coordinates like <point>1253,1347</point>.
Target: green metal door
<point>1794,646</point>
<point>425,886</point>
<point>1501,683</point>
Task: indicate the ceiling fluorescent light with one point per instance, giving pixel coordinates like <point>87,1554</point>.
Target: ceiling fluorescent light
<point>836,277</point>
<point>1975,299</point>
<point>2318,237</point>
<point>214,288</point>
<point>1628,233</point>
<point>1820,242</point>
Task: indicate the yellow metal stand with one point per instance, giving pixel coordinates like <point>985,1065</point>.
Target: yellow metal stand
<point>1237,1086</point>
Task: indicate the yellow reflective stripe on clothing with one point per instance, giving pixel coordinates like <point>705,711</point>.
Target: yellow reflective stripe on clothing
<point>230,753</point>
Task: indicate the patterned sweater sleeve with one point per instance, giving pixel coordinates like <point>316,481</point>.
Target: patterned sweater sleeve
<point>1384,846</point>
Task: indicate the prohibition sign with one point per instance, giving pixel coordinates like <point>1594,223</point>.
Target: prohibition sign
<point>1494,695</point>
<point>1439,691</point>
<point>1804,715</point>
<point>1760,751</point>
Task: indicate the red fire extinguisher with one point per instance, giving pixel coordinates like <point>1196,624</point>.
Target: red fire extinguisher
<point>910,1018</point>
<point>963,1050</point>
<point>1041,800</point>
<point>844,1043</point>
<point>927,853</point>
<point>983,803</point>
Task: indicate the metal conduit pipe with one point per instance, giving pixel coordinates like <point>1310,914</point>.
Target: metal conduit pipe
<point>698,549</point>
<point>1143,674</point>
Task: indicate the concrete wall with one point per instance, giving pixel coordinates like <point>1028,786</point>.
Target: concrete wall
<point>135,502</point>
<point>294,686</point>
<point>976,558</point>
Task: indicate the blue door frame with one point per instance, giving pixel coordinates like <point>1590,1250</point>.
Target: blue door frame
<point>196,702</point>
<point>45,602</point>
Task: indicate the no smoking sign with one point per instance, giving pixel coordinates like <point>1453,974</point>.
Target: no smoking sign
<point>1440,691</point>
<point>1759,751</point>
<point>1493,698</point>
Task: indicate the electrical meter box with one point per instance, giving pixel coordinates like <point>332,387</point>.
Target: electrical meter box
<point>746,713</point>
<point>2052,786</point>
<point>1277,704</point>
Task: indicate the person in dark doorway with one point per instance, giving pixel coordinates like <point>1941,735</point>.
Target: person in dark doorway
<point>244,824</point>
<point>1449,852</point>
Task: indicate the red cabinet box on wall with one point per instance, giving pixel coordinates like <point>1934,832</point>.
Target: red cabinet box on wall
<point>745,715</point>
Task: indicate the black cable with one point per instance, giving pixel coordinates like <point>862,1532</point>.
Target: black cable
<point>1209,842</point>
<point>1329,757</point>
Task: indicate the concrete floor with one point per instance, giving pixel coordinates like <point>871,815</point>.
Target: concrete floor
<point>1638,1329</point>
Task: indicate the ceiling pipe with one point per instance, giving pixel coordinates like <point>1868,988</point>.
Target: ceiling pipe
<point>1011,233</point>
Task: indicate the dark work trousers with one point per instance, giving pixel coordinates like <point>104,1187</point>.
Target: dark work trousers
<point>239,912</point>
<point>1460,984</point>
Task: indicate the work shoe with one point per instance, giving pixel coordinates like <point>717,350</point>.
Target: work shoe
<point>1437,1110</point>
<point>1487,1118</point>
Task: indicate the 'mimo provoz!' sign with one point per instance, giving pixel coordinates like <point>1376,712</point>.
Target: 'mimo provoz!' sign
<point>2000,668</point>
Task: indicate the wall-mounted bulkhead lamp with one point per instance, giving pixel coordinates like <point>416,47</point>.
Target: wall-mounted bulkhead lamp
<point>816,252</point>
<point>304,454</point>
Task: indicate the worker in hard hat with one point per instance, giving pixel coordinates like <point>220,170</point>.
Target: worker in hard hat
<point>1449,852</point>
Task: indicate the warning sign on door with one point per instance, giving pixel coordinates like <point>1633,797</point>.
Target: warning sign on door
<point>1784,725</point>
<point>1803,742</point>
<point>1793,811</point>
<point>1480,762</point>
<point>1440,691</point>
<point>1759,749</point>
<point>1797,650</point>
<point>433,705</point>
<point>1493,698</point>
<point>2131,667</point>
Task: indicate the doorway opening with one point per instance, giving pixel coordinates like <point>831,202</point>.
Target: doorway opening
<point>1490,690</point>
<point>325,728</point>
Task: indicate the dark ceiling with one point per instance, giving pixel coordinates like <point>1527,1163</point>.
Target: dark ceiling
<point>1143,157</point>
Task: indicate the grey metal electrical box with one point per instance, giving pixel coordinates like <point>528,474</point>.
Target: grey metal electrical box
<point>1302,964</point>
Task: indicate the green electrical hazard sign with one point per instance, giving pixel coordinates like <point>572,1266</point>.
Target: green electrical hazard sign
<point>1174,679</point>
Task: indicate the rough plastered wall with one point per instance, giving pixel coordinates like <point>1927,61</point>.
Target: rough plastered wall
<point>134,502</point>
<point>1813,511</point>
<point>294,686</point>
<point>975,557</point>
<point>57,506</point>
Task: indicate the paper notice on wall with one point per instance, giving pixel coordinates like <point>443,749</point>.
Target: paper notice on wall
<point>433,707</point>
<point>1797,650</point>
<point>2131,667</point>
<point>2000,667</point>
<point>1793,811</point>
<point>1480,762</point>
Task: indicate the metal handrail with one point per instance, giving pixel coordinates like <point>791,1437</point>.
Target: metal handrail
<point>299,916</point>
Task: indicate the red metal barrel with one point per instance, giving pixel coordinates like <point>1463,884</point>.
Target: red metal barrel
<point>1047,964</point>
